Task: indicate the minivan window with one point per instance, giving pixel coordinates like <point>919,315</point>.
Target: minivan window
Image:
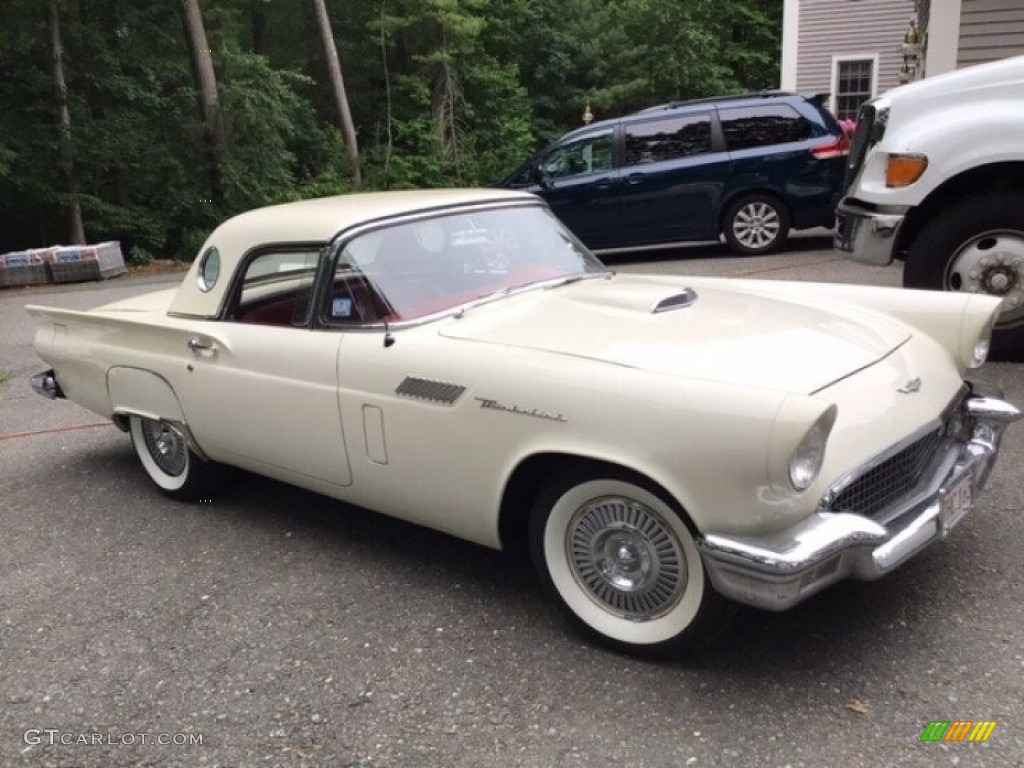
<point>588,154</point>
<point>763,125</point>
<point>668,139</point>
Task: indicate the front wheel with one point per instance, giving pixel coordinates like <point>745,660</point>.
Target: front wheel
<point>171,464</point>
<point>977,246</point>
<point>623,565</point>
<point>756,224</point>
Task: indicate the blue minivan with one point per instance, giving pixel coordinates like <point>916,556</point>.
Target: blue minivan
<point>747,168</point>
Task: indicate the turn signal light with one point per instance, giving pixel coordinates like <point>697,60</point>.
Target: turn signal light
<point>904,170</point>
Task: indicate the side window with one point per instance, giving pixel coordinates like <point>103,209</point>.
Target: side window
<point>587,154</point>
<point>764,125</point>
<point>277,288</point>
<point>668,139</point>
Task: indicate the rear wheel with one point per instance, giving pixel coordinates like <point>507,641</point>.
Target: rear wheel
<point>623,565</point>
<point>756,224</point>
<point>171,464</point>
<point>977,246</point>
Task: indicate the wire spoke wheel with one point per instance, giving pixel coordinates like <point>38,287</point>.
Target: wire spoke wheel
<point>166,447</point>
<point>626,557</point>
<point>164,453</point>
<point>622,563</point>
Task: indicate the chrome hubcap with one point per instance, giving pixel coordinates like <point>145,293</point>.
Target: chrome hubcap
<point>756,225</point>
<point>626,558</point>
<point>168,450</point>
<point>992,263</point>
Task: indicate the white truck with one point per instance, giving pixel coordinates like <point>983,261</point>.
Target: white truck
<point>936,179</point>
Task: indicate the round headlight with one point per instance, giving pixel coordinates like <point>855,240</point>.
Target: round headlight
<point>806,461</point>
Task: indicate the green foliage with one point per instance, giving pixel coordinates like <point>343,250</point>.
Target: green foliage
<point>139,256</point>
<point>443,92</point>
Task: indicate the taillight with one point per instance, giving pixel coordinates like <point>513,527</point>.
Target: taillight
<point>838,148</point>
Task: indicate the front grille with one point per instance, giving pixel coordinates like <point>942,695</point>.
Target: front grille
<point>870,129</point>
<point>877,488</point>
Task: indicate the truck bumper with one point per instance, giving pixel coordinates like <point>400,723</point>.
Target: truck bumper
<point>779,570</point>
<point>868,236</point>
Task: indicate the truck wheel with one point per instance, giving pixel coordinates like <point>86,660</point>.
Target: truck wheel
<point>977,246</point>
<point>171,464</point>
<point>756,224</point>
<point>622,564</point>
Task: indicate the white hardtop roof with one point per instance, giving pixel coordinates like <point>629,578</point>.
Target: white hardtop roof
<point>313,221</point>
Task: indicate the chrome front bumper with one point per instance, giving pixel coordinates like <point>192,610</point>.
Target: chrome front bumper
<point>868,236</point>
<point>780,570</point>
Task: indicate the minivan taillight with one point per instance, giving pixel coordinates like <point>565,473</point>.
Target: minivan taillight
<point>838,148</point>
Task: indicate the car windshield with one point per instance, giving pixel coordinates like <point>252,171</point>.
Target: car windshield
<point>431,265</point>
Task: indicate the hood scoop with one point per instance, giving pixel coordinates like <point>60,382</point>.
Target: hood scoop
<point>682,300</point>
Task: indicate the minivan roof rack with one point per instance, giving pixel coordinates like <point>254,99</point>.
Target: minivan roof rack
<point>765,94</point>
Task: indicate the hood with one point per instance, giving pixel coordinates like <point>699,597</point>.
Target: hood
<point>996,79</point>
<point>727,335</point>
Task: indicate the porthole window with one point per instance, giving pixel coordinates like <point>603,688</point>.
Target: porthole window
<point>209,269</point>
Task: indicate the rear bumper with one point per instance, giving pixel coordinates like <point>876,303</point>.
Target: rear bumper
<point>782,569</point>
<point>45,384</point>
<point>866,235</point>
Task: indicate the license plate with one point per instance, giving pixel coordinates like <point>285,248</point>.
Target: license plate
<point>956,503</point>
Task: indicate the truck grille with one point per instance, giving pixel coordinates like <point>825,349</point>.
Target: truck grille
<point>869,132</point>
<point>876,489</point>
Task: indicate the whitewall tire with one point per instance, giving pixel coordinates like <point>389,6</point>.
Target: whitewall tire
<point>623,564</point>
<point>170,463</point>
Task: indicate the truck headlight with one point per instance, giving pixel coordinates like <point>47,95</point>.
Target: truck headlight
<point>806,461</point>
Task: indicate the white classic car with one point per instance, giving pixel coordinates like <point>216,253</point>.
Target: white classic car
<point>459,360</point>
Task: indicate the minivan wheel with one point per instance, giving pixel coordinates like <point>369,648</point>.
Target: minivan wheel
<point>756,224</point>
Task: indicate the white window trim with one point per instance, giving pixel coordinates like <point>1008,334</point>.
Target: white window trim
<point>834,76</point>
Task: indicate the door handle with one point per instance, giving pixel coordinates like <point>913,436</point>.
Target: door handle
<point>603,183</point>
<point>635,178</point>
<point>196,345</point>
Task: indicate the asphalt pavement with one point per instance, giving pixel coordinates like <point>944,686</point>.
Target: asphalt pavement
<point>274,627</point>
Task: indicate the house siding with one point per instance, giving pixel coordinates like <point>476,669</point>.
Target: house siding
<point>828,29</point>
<point>990,30</point>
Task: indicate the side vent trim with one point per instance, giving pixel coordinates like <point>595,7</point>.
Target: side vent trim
<point>433,391</point>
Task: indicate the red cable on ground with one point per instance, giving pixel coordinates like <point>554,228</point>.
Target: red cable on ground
<point>72,428</point>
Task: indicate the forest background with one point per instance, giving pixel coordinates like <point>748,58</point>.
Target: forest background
<point>149,121</point>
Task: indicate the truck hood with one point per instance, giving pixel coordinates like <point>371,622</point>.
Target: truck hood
<point>727,335</point>
<point>997,79</point>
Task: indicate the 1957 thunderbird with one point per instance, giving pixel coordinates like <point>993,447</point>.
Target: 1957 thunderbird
<point>457,359</point>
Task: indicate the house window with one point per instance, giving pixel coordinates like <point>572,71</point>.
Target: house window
<point>854,86</point>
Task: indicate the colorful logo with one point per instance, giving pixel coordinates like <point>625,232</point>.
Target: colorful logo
<point>958,730</point>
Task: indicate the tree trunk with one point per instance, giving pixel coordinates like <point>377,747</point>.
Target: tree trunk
<point>348,129</point>
<point>76,229</point>
<point>259,27</point>
<point>206,85</point>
